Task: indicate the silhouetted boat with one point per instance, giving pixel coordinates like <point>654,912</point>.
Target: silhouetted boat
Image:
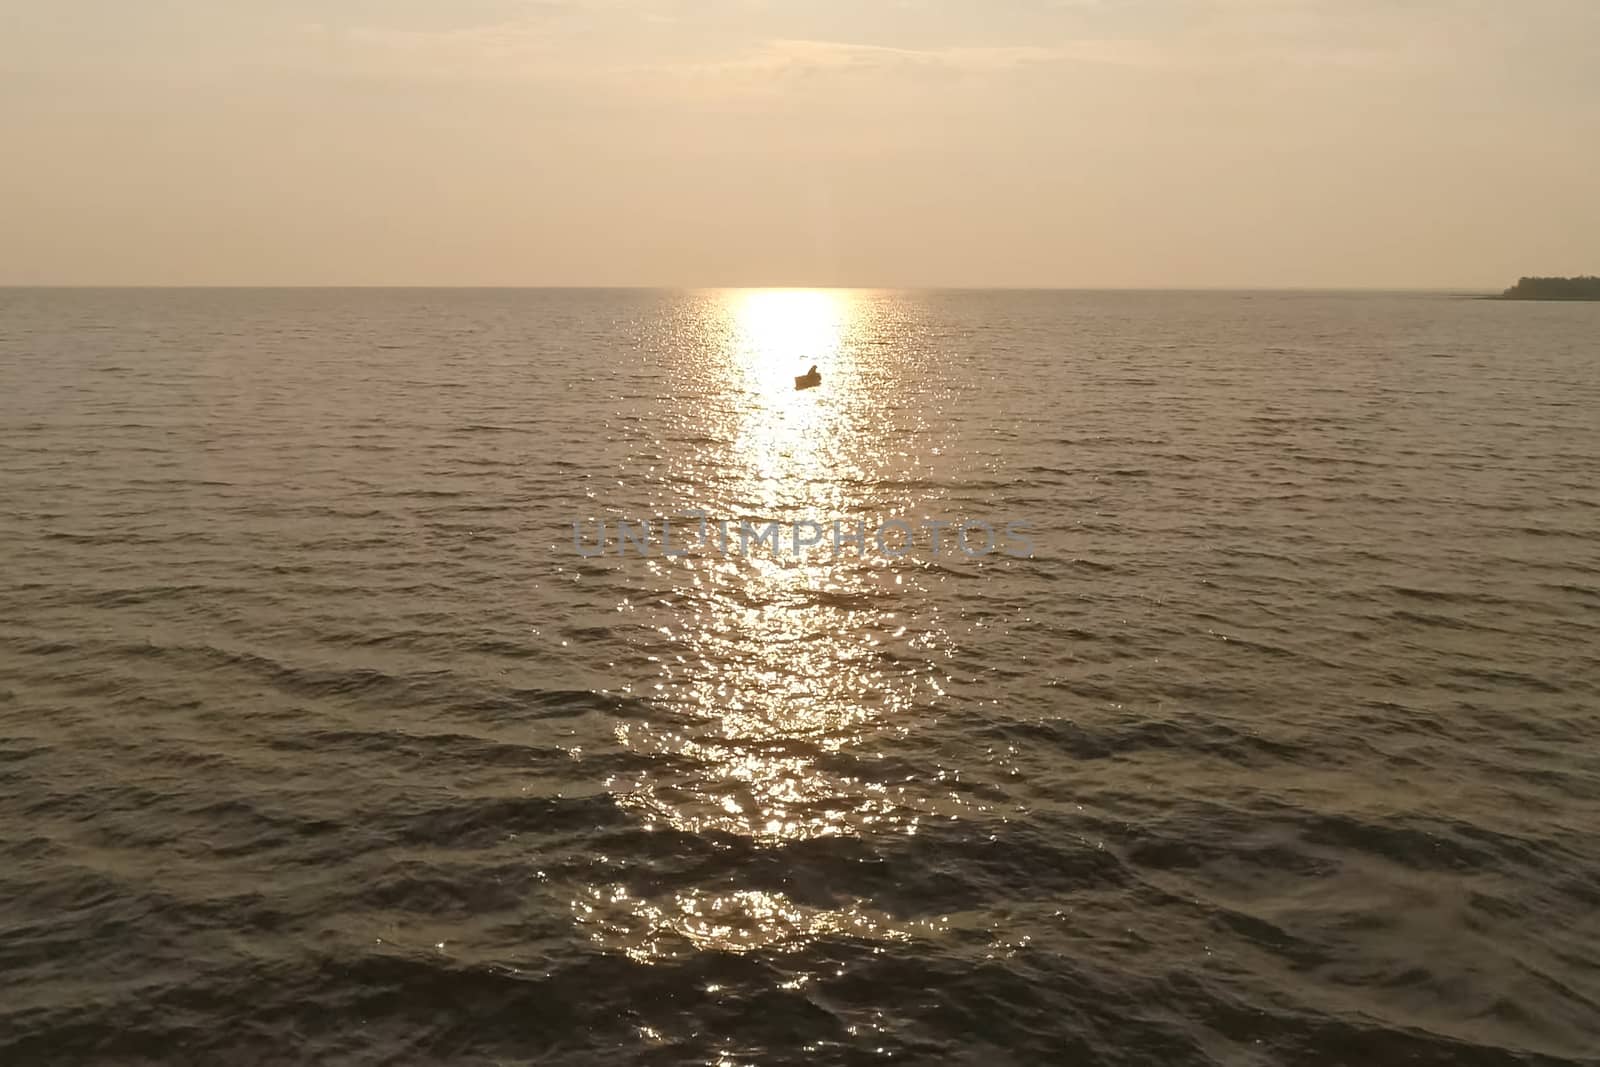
<point>809,380</point>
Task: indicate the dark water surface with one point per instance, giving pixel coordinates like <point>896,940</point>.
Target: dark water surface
<point>320,742</point>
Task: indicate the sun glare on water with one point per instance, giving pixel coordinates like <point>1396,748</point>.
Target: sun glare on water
<point>792,443</point>
<point>781,333</point>
<point>776,671</point>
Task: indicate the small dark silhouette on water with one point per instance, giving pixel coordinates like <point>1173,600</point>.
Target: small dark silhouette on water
<point>1585,288</point>
<point>810,379</point>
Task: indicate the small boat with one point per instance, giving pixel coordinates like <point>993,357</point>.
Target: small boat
<point>809,380</point>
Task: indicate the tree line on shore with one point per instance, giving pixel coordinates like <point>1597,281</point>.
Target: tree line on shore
<point>1583,288</point>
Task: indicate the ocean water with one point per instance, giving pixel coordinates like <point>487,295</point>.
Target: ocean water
<point>325,738</point>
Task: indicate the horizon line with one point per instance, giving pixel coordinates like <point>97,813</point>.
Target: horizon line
<point>302,287</point>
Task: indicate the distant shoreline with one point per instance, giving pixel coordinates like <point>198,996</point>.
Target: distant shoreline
<point>1586,287</point>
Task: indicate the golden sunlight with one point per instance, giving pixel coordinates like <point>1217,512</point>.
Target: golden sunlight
<point>779,669</point>
<point>793,445</point>
<point>782,333</point>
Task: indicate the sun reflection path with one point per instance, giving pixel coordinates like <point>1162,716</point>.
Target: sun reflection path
<point>791,441</point>
<point>736,921</point>
<point>782,682</point>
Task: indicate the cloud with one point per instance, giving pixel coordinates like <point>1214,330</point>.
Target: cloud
<point>667,45</point>
<point>784,55</point>
<point>530,49</point>
<point>772,62</point>
<point>518,49</point>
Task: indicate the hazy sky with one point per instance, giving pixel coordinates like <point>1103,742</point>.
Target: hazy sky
<point>1410,143</point>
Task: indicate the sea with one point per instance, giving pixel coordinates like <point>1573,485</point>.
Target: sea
<point>539,677</point>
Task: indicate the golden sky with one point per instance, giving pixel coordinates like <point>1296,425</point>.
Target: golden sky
<point>1365,143</point>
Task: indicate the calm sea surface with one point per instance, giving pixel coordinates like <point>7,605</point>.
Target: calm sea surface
<point>321,740</point>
